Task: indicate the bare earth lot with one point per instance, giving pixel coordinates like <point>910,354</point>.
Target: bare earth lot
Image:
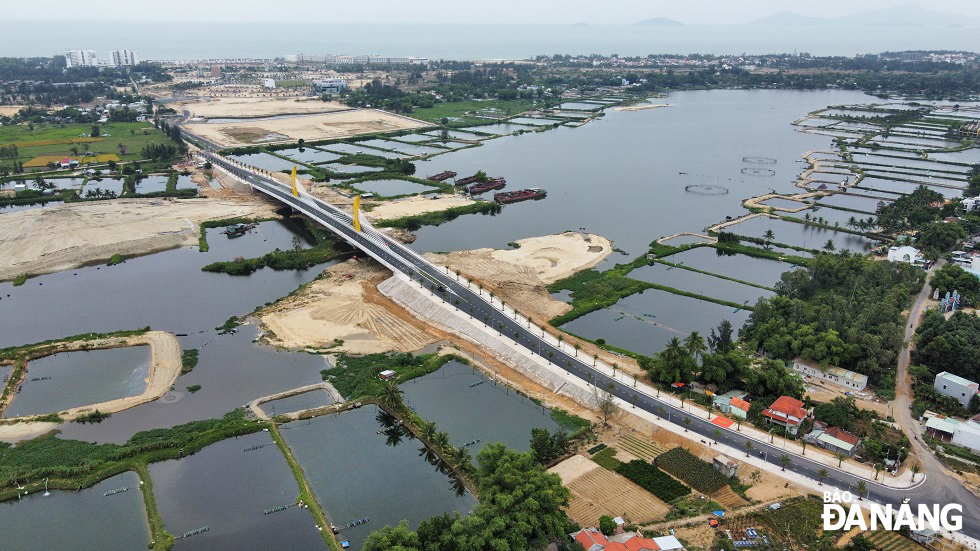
<point>339,124</point>
<point>597,491</point>
<point>255,107</point>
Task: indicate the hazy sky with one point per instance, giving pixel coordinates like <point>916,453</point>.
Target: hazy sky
<point>691,12</point>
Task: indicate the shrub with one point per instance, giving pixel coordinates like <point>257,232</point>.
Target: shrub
<point>689,468</point>
<point>653,480</point>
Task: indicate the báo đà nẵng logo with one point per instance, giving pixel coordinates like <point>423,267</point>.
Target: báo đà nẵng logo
<point>841,512</point>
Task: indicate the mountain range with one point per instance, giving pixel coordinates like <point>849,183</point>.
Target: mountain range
<point>898,16</point>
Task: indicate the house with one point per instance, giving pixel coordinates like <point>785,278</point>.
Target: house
<point>956,387</point>
<point>732,402</point>
<point>907,254</point>
<point>836,375</point>
<point>387,375</point>
<point>940,426</point>
<point>725,466</point>
<point>967,434</point>
<point>834,439</point>
<point>923,536</point>
<point>786,412</point>
<point>591,539</point>
<point>269,83</point>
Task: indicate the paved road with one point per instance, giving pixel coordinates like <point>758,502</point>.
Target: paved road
<point>402,259</point>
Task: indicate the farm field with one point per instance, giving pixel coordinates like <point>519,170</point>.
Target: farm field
<point>58,140</point>
<point>597,491</point>
<point>460,108</point>
<point>884,540</point>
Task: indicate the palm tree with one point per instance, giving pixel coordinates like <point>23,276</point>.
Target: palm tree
<point>391,396</point>
<point>457,275</point>
<point>635,398</point>
<point>748,447</point>
<point>915,471</point>
<point>769,236</point>
<point>551,355</point>
<point>561,339</point>
<point>784,460</point>
<point>840,458</point>
<point>829,246</point>
<point>615,366</point>
<point>862,488</point>
<point>756,476</point>
<point>673,352</point>
<point>694,344</point>
<point>717,433</point>
<point>803,443</point>
<point>577,346</point>
<point>660,410</point>
<point>595,360</point>
<point>441,440</point>
<point>878,468</point>
<point>822,473</point>
<point>687,423</point>
<point>428,430</point>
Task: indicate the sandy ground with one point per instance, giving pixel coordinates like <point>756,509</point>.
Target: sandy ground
<point>338,306</point>
<point>827,392</point>
<point>309,127</point>
<point>255,107</point>
<point>389,210</point>
<point>640,107</point>
<point>520,276</point>
<point>597,491</point>
<point>10,110</point>
<point>67,236</point>
<point>165,364</point>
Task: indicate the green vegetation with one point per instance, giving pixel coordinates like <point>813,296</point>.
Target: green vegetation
<point>202,240</point>
<point>607,459</point>
<point>94,417</point>
<point>951,278</point>
<point>73,463</point>
<point>20,280</point>
<point>44,348</point>
<point>569,421</point>
<point>653,480</point>
<point>294,259</point>
<point>193,388</point>
<point>593,290</point>
<point>698,474</point>
<point>124,141</point>
<point>520,508</point>
<point>841,311</point>
<point>692,506</point>
<point>188,360</point>
<point>357,376</point>
<point>461,112</point>
<point>548,447</point>
<point>948,344</point>
<point>115,259</point>
<point>229,325</point>
<point>412,223</point>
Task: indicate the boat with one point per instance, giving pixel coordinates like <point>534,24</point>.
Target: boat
<point>442,176</point>
<point>238,231</point>
<point>519,195</point>
<point>481,187</point>
<point>467,180</point>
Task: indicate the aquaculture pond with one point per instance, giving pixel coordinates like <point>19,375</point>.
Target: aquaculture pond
<point>660,169</point>
<point>283,234</point>
<point>72,379</point>
<point>350,149</point>
<point>680,240</point>
<point>831,216</point>
<point>264,161</point>
<point>309,155</point>
<point>579,105</point>
<point>352,169</point>
<point>406,149</point>
<point>88,519</point>
<point>646,321</point>
<point>114,185</point>
<point>895,186</point>
<point>391,188</point>
<point>66,183</point>
<point>413,138</point>
<point>456,134</point>
<point>533,121</point>
<point>361,465</point>
<point>475,410</point>
<point>971,156</point>
<point>699,283</point>
<point>858,202</point>
<point>783,203</point>
<point>761,271</point>
<point>499,128</point>
<point>228,487</point>
<point>298,402</point>
<point>801,235</point>
<point>158,182</point>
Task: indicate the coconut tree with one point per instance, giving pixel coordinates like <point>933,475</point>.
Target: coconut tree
<point>687,423</point>
<point>748,447</point>
<point>391,396</point>
<point>561,339</point>
<point>915,471</point>
<point>756,476</point>
<point>577,346</point>
<point>829,246</point>
<point>862,488</point>
<point>615,366</point>
<point>694,344</point>
<point>768,237</point>
<point>784,460</point>
<point>878,468</point>
<point>717,433</point>
<point>822,474</point>
<point>595,360</point>
<point>803,443</point>
<point>840,458</point>
<point>428,430</point>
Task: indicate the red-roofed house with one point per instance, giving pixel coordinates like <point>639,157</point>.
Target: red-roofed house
<point>786,412</point>
<point>739,407</point>
<point>636,543</point>
<point>591,539</point>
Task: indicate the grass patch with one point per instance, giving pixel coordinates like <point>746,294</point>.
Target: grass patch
<point>698,474</point>
<point>94,417</point>
<point>115,259</point>
<point>357,376</point>
<point>59,139</point>
<point>188,360</point>
<point>459,110</point>
<point>229,325</point>
<point>20,280</point>
<point>202,240</point>
<point>293,259</point>
<point>569,421</point>
<point>607,459</point>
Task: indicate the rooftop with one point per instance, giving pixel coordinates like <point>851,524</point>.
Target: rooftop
<point>789,406</point>
<point>946,375</point>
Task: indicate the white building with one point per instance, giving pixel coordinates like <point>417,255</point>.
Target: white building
<point>967,435</point>
<point>836,375</point>
<point>956,387</point>
<point>125,58</point>
<point>971,204</point>
<point>268,83</point>
<point>331,85</point>
<point>81,58</point>
<point>906,254</point>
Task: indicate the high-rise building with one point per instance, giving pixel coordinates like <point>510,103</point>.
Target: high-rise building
<point>81,58</point>
<point>125,58</point>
